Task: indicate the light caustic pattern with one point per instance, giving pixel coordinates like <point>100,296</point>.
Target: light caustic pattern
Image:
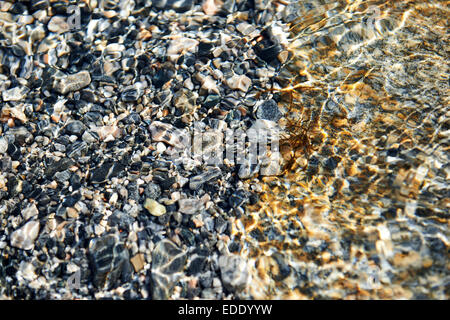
<point>362,209</point>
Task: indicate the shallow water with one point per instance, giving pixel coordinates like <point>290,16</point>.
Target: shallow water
<point>362,208</point>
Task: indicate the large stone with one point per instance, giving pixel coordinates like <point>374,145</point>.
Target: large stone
<point>191,206</point>
<point>73,82</point>
<point>167,263</point>
<point>234,272</point>
<point>25,236</point>
<point>268,110</point>
<point>110,262</point>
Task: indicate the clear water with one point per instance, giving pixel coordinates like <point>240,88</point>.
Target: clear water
<point>362,209</point>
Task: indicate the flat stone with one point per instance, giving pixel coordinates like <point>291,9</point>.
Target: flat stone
<point>239,82</point>
<point>3,145</point>
<point>190,206</point>
<point>58,24</point>
<point>268,110</point>
<point>197,181</point>
<point>24,237</point>
<point>234,272</point>
<point>110,262</point>
<point>73,82</point>
<point>165,132</point>
<point>106,170</point>
<point>167,263</point>
<point>177,5</point>
<point>15,94</point>
<point>138,262</point>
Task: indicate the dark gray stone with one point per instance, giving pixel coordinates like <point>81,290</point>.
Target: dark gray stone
<point>110,262</point>
<point>268,110</point>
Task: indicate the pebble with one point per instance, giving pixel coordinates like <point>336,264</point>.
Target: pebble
<point>110,262</point>
<point>268,110</point>
<point>239,82</point>
<point>234,272</point>
<point>24,237</point>
<point>167,133</point>
<point>75,127</point>
<point>177,5</point>
<point>30,211</point>
<point>154,208</point>
<point>15,94</point>
<point>197,181</point>
<point>190,206</point>
<point>58,24</point>
<point>73,82</point>
<point>138,262</point>
<point>3,145</point>
<point>168,260</point>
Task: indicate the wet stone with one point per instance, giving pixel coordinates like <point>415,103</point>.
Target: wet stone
<point>239,82</point>
<point>58,24</point>
<point>3,145</point>
<point>15,94</point>
<point>164,132</point>
<point>177,5</point>
<point>73,82</point>
<point>234,272</point>
<point>154,208</point>
<point>22,135</point>
<point>268,110</point>
<point>75,127</point>
<point>121,219</point>
<point>167,263</point>
<point>59,166</point>
<point>24,237</point>
<point>197,181</point>
<point>152,190</point>
<point>105,171</point>
<point>110,262</point>
<point>191,206</point>
<point>211,101</point>
<point>131,95</point>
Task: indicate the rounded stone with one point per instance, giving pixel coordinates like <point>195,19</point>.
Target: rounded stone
<point>154,208</point>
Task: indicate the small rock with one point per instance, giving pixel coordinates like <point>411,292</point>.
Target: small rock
<point>58,24</point>
<point>138,262</point>
<point>177,5</point>
<point>181,45</point>
<point>73,82</point>
<point>239,82</point>
<point>30,212</point>
<point>107,170</point>
<point>234,272</point>
<point>75,127</point>
<point>268,110</point>
<point>190,206</point>
<point>25,236</point>
<point>164,132</point>
<point>15,94</point>
<point>154,207</point>
<point>211,7</point>
<point>167,263</point>
<point>197,181</point>
<point>152,190</point>
<point>110,262</point>
<point>3,145</point>
<point>21,135</point>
